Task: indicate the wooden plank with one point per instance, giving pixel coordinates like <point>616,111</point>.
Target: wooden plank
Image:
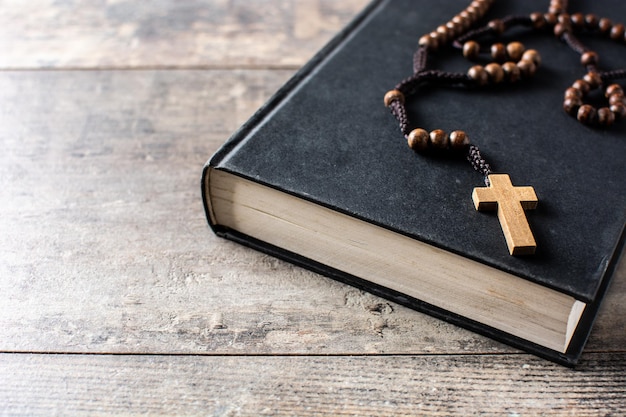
<point>198,33</point>
<point>104,246</point>
<point>513,385</point>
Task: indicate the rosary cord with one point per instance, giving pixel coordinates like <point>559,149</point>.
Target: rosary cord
<point>478,162</point>
<point>613,75</point>
<point>420,59</point>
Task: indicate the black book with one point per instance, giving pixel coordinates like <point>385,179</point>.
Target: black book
<point>322,177</point>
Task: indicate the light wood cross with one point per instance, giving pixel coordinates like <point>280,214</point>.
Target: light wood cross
<point>510,202</point>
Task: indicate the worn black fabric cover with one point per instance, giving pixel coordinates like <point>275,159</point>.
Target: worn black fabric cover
<point>327,137</point>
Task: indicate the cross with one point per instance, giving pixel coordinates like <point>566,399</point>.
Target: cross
<point>510,202</point>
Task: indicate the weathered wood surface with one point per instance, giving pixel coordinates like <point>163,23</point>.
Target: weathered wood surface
<point>167,33</point>
<point>104,247</point>
<point>498,385</point>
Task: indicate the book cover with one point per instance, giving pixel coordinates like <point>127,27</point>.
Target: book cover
<point>326,138</point>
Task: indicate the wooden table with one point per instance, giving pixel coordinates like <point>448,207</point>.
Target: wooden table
<point>116,299</point>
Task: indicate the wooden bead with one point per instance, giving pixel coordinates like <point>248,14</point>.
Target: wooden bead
<point>551,19</point>
<point>430,43</point>
<point>527,68</point>
<point>458,140</point>
<point>439,139</point>
<point>440,39</point>
<point>393,95</point>
<point>495,73</point>
<point>617,98</point>
<point>591,21</point>
<point>586,114</point>
<point>418,139</point>
<point>515,50</point>
<point>582,85</point>
<point>478,74</point>
<point>496,26</point>
<point>444,35</point>
<point>468,17</point>
<point>461,22</point>
<point>593,79</point>
<point>619,110</point>
<point>572,92</point>
<point>556,7</point>
<point>561,28</point>
<point>589,58</point>
<point>613,89</point>
<point>617,32</point>
<point>571,105</point>
<point>578,21</point>
<point>532,55</point>
<point>605,25</point>
<point>605,117</point>
<point>454,28</point>
<point>511,72</point>
<point>498,52</point>
<point>564,18</point>
<point>471,49</point>
<point>538,21</point>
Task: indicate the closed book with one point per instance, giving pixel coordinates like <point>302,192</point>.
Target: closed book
<point>322,177</point>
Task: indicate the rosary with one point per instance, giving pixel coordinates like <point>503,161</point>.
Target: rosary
<point>512,63</point>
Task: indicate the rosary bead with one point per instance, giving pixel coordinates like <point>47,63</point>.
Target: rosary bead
<point>593,79</point>
<point>439,139</point>
<point>454,28</point>
<point>511,72</point>
<point>474,12</point>
<point>458,140</point>
<point>589,58</point>
<point>393,95</point>
<point>463,23</point>
<point>586,114</point>
<point>465,14</point>
<point>527,68</point>
<point>617,98</point>
<point>533,56</point>
<point>572,92</point>
<point>571,105</point>
<point>471,49</point>
<point>591,21</point>
<point>605,117</point>
<point>619,110</point>
<point>498,52</point>
<point>564,18</point>
<point>613,89</point>
<point>617,32</point>
<point>495,73</point>
<point>556,6</point>
<point>444,34</point>
<point>561,28</point>
<point>439,38</point>
<point>551,19</point>
<point>582,85</point>
<point>478,74</point>
<point>418,139</point>
<point>538,21</point>
<point>605,25</point>
<point>578,21</point>
<point>430,43</point>
<point>496,26</point>
<point>515,50</point>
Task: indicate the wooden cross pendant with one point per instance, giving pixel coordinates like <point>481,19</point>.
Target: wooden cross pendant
<point>510,202</point>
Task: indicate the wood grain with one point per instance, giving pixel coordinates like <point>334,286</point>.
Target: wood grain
<point>509,385</point>
<point>105,244</point>
<point>104,247</point>
<point>170,33</point>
